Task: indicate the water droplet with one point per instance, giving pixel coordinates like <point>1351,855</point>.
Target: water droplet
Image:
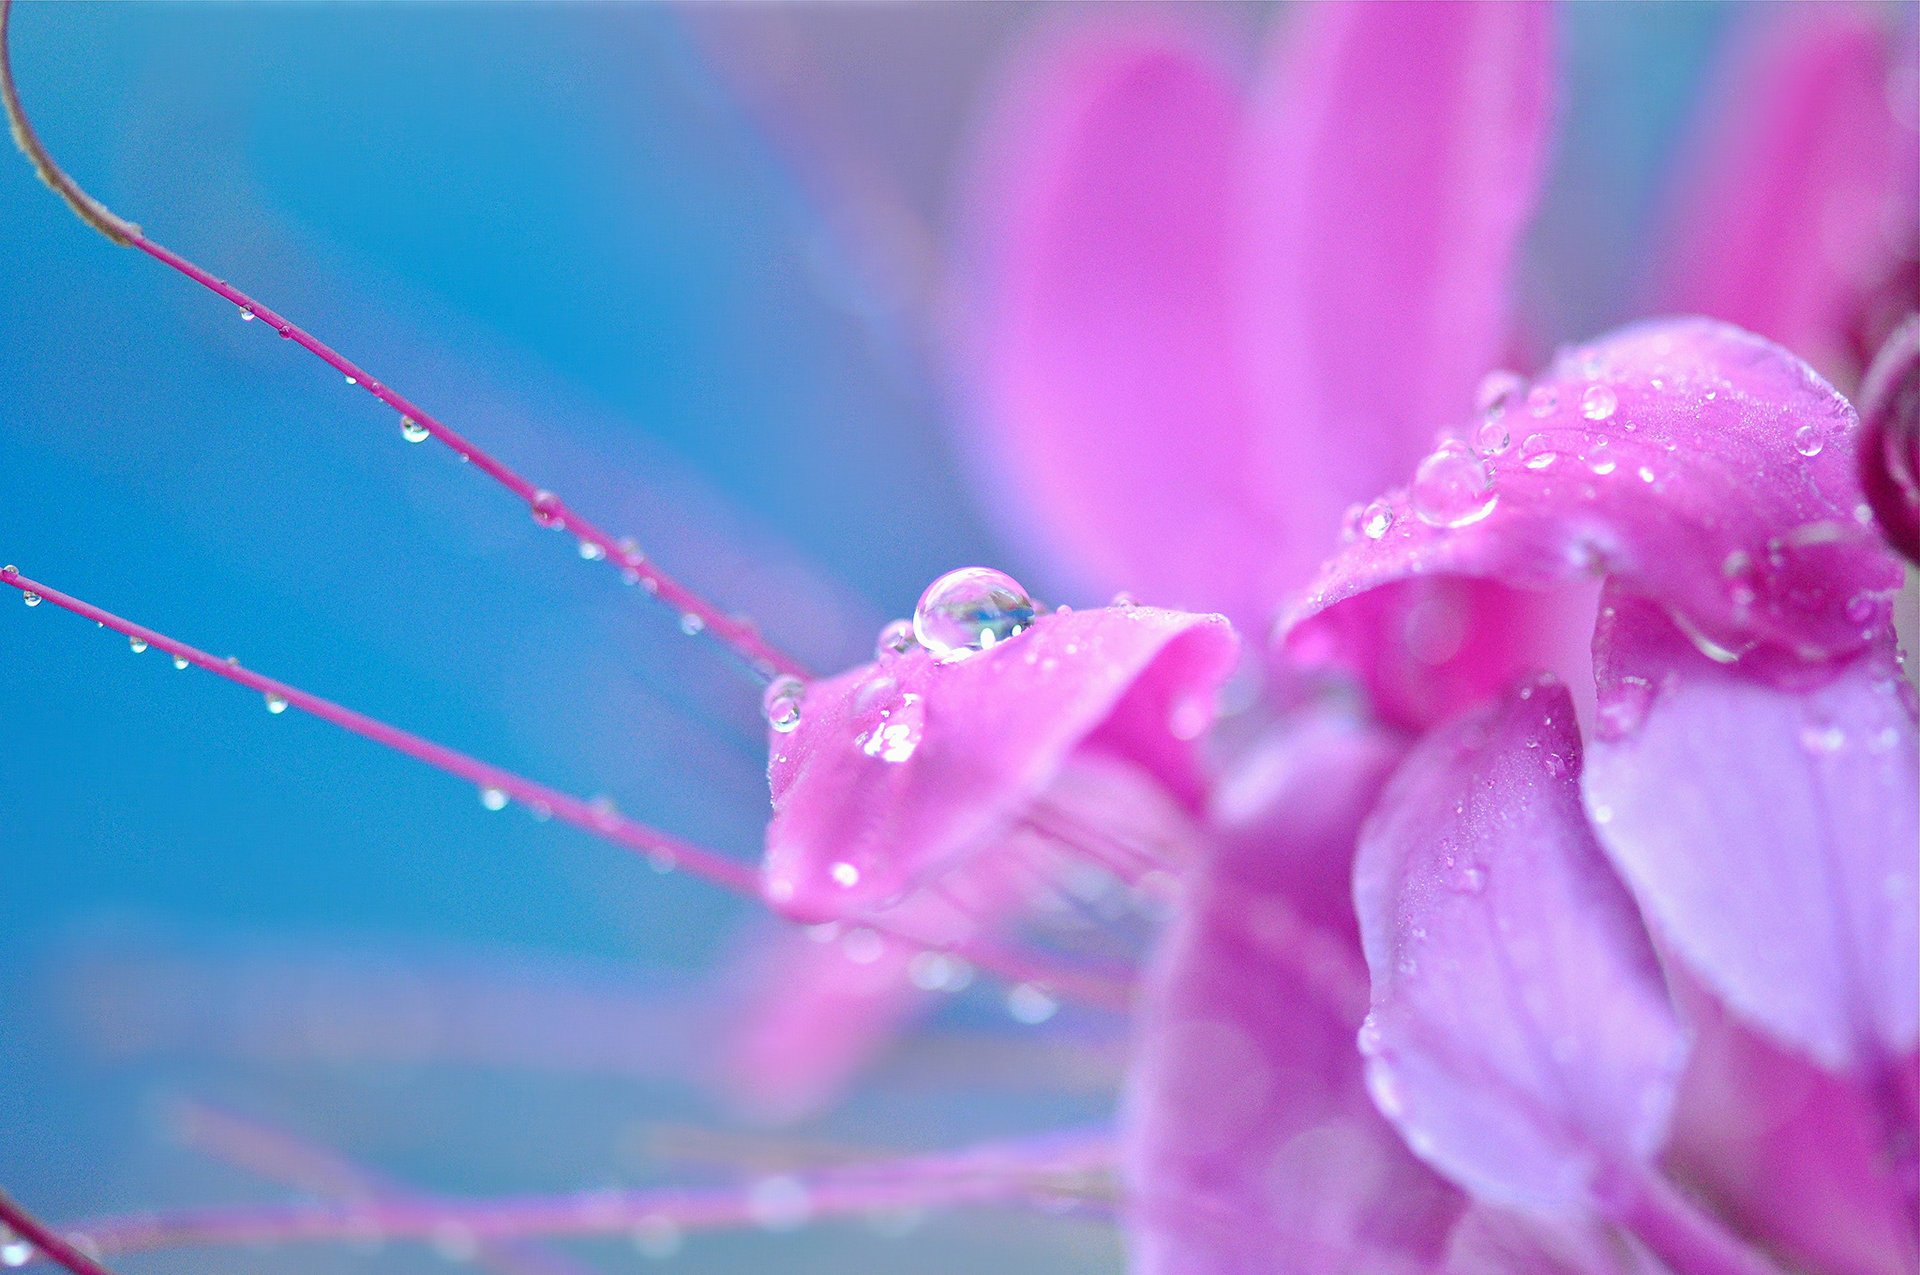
<point>1599,402</point>
<point>246,314</point>
<point>781,703</point>
<point>844,875</point>
<point>1453,487</point>
<point>895,640</point>
<point>493,798</point>
<point>276,704</point>
<point>413,431</point>
<point>137,645</point>
<point>1031,1004</point>
<point>1542,399</point>
<point>1807,440</point>
<point>1600,457</point>
<point>1124,600</point>
<point>180,661</point>
<point>1537,452</point>
<point>970,610</point>
<point>14,1251</point>
<point>591,552</point>
<point>353,380</point>
<point>1492,436</point>
<point>31,599</point>
<point>546,508</point>
<point>779,1203</point>
<point>1376,520</point>
<point>691,624</point>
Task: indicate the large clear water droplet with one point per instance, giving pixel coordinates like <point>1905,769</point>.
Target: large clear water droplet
<point>180,661</point>
<point>1807,440</point>
<point>493,798</point>
<point>1599,402</point>
<point>31,599</point>
<point>1453,487</point>
<point>781,703</point>
<point>137,645</point>
<point>413,431</point>
<point>1537,452</point>
<point>1600,457</point>
<point>1376,520</point>
<point>970,610</point>
<point>276,704</point>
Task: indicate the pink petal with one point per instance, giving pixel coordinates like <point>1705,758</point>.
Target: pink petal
<point>1493,1241</point>
<point>1772,836</point>
<point>1687,461</point>
<point>1521,1036</point>
<point>1890,438</point>
<point>1251,1145</point>
<point>1802,193</point>
<point>1110,420</point>
<point>899,771</point>
<point>1394,157</point>
<point>1793,1155</point>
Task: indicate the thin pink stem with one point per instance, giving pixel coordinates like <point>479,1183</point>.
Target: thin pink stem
<point>1087,984</point>
<point>281,1157</point>
<point>870,1189</point>
<point>596,819</point>
<point>46,1242</point>
<point>698,615</point>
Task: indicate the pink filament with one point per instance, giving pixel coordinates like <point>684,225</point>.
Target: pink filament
<point>994,1175</point>
<point>739,634</point>
<point>46,1242</point>
<point>598,820</point>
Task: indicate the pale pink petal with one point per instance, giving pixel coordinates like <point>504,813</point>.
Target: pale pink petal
<point>1108,416</point>
<point>1802,190</point>
<point>1495,1241</point>
<point>1686,461</point>
<point>1251,1145</point>
<point>898,771</point>
<point>1890,438</point>
<point>1772,836</point>
<point>1795,1156</point>
<point>1521,1036</point>
<point>1394,157</point>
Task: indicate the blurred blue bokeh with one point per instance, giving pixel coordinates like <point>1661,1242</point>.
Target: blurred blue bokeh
<point>606,242</point>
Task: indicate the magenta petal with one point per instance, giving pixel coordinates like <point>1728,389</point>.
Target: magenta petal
<point>1690,462</point>
<point>1521,1035</point>
<point>1772,836</point>
<point>1251,1145</point>
<point>898,771</point>
<point>1797,1157</point>
<point>1803,190</point>
<point>1393,160</point>
<point>1110,415</point>
<point>1890,438</point>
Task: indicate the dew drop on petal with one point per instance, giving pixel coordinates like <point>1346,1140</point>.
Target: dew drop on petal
<point>493,798</point>
<point>692,625</point>
<point>1537,452</point>
<point>180,661</point>
<point>1807,440</point>
<point>31,599</point>
<point>1600,457</point>
<point>1031,1004</point>
<point>895,640</point>
<point>137,645</point>
<point>353,380</point>
<point>591,552</point>
<point>14,1251</point>
<point>1453,487</point>
<point>546,508</point>
<point>413,431</point>
<point>1542,400</point>
<point>781,703</point>
<point>1376,520</point>
<point>276,704</point>
<point>1599,402</point>
<point>844,875</point>
<point>1492,436</point>
<point>971,609</point>
<point>246,314</point>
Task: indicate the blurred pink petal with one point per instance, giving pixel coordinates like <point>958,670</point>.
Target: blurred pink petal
<point>1801,195</point>
<point>1890,438</point>
<point>1250,1134</point>
<point>1785,871</point>
<point>1521,1036</point>
<point>1686,461</point>
<point>1109,399</point>
<point>1493,1241</point>
<point>1796,1156</point>
<point>898,771</point>
<point>1394,157</point>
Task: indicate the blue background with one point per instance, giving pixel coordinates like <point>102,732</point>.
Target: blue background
<point>615,245</point>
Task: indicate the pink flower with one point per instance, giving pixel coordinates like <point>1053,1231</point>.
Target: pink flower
<point>1618,930</point>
